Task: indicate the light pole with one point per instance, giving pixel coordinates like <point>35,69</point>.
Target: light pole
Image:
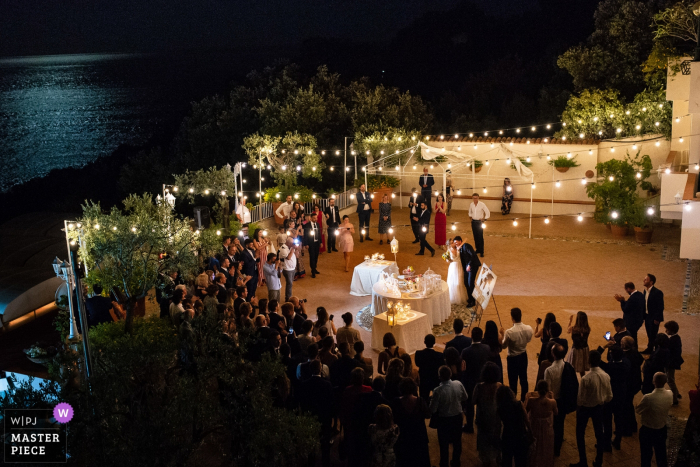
<point>696,12</point>
<point>63,271</point>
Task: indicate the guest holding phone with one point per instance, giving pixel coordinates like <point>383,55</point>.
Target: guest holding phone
<point>580,330</point>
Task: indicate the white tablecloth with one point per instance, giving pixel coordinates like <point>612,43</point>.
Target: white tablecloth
<point>367,274</point>
<point>409,333</point>
<point>436,306</point>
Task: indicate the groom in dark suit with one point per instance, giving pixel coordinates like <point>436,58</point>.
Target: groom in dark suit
<point>423,220</point>
<point>471,263</point>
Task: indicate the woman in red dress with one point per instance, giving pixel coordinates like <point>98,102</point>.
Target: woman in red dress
<point>440,222</point>
<point>319,216</point>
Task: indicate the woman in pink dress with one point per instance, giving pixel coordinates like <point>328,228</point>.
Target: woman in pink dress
<point>260,245</point>
<point>345,231</point>
<point>440,222</point>
<point>319,216</point>
<point>541,408</point>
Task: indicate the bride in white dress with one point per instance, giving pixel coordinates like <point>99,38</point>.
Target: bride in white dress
<point>455,278</point>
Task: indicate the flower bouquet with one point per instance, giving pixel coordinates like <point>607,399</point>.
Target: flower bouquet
<point>38,354</point>
<point>408,272</point>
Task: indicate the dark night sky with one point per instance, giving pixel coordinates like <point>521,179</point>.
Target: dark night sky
<point>71,26</point>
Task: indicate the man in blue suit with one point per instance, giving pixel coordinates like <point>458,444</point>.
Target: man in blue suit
<point>364,211</point>
<point>632,309</point>
<point>250,267</point>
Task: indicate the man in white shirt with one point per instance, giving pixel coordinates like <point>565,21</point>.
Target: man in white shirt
<point>285,208</point>
<point>479,213</point>
<point>593,393</point>
<point>289,266</point>
<point>653,409</point>
<point>515,340</point>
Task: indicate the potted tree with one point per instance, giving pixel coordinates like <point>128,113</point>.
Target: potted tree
<point>563,163</point>
<point>477,165</point>
<point>642,223</point>
<point>378,186</point>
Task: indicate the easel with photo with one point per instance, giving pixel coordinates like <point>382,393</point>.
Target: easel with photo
<point>483,293</point>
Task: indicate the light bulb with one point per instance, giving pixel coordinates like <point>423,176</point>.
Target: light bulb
<point>284,167</point>
<point>527,159</point>
<point>563,124</point>
<point>449,166</point>
<point>372,196</point>
<point>644,109</point>
<point>697,167</point>
<point>558,184</point>
<point>175,189</point>
<point>296,151</point>
<point>500,132</point>
<point>515,223</point>
<point>658,143</point>
<point>97,226</point>
<point>639,175</point>
<point>475,146</point>
<point>678,119</point>
<point>393,195</point>
<point>485,190</point>
<point>133,229</point>
<point>533,128</point>
<point>191,190</point>
<point>650,211</point>
<point>511,143</point>
<point>614,214</point>
<point>680,140</point>
<point>381,152</point>
<point>313,196</point>
<point>298,168</point>
<point>568,155</point>
<point>612,149</point>
<point>657,123</point>
<point>486,133</point>
<point>627,112</point>
<point>580,121</point>
<point>391,231</point>
<point>442,136</point>
<point>437,193</point>
<point>619,130</point>
<point>590,152</point>
<point>483,225</point>
<point>549,157</point>
<point>600,132</point>
<point>471,135</point>
<point>563,138</point>
<point>546,220</point>
<point>533,186</point>
<point>456,136</point>
<point>668,171</point>
<point>398,168</point>
<point>424,229</point>
<point>454,227</point>
<point>549,126</point>
<point>583,181</point>
<point>687,206</point>
<point>218,232</point>
<point>508,161</point>
<point>380,169</point>
<point>518,130</point>
<point>661,106</point>
<point>509,188</point>
<point>296,195</point>
<point>487,162</point>
<point>363,231</point>
<point>79,225</point>
<point>581,135</point>
<point>114,228</point>
<point>611,178</point>
<point>206,192</point>
<point>638,127</point>
<point>309,152</point>
<point>580,217</point>
<point>491,144</point>
<point>332,169</point>
<point>634,146</point>
<point>414,167</point>
<point>337,232</point>
<point>459,192</point>
<point>595,119</point>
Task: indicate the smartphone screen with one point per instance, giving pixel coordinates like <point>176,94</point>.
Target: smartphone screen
<point>291,331</point>
<point>607,336</point>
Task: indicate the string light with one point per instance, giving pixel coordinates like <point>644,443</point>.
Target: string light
<point>546,220</point>
<point>518,130</point>
<point>191,190</point>
<point>515,223</point>
<point>509,188</point>
<point>533,186</point>
<point>680,140</point>
<point>454,227</point>
<point>133,229</point>
<point>218,232</point>
<point>611,178</point>
<point>175,189</point>
<point>697,166</point>
<point>590,152</point>
<point>687,206</point>
<point>658,143</point>
<point>634,146</point>
<point>668,171</point>
<point>533,128</point>
<point>558,184</point>
<point>206,192</point>
<point>549,157</point>
<point>580,217</point>
<point>483,225</point>
<point>612,149</point>
<point>639,175</point>
<point>614,214</point>
<point>650,211</point>
<point>583,181</point>
<point>485,190</point>
<point>114,228</point>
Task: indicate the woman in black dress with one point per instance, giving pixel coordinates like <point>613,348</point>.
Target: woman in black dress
<point>515,441</point>
<point>543,334</point>
<point>410,413</point>
<point>493,338</point>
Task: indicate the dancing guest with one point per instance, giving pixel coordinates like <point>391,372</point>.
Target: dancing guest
<point>288,256</point>
<point>541,411</point>
<point>364,211</point>
<point>654,315</point>
<point>423,219</point>
<point>633,309</point>
<point>470,263</point>
<point>507,198</point>
<point>384,219</point>
<point>428,362</point>
<point>440,222</point>
<point>515,340</point>
<point>479,213</point>
<point>580,330</point>
<point>345,232</point>
<point>332,221</point>
<point>414,205</point>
